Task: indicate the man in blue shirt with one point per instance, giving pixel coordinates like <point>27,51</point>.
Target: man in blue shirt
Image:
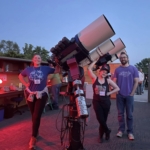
<point>126,77</point>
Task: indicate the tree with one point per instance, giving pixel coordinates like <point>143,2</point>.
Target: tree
<point>3,46</point>
<point>144,64</point>
<point>42,52</point>
<point>11,49</point>
<point>8,47</point>
<point>28,51</point>
<point>13,54</point>
<point>15,48</point>
<point>1,53</point>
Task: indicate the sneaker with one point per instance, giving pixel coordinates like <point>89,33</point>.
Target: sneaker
<point>131,136</point>
<point>32,143</point>
<point>119,134</point>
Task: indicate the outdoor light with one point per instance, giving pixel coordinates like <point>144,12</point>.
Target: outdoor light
<point>1,81</point>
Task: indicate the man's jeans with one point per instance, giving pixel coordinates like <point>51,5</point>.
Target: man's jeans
<point>55,94</point>
<point>125,102</point>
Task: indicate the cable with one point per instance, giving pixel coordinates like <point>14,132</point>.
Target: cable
<point>64,122</point>
<point>80,123</point>
<point>58,116</point>
<point>66,128</point>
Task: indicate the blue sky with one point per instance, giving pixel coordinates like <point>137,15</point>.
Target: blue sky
<point>45,22</point>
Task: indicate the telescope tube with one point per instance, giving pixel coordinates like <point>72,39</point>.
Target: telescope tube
<point>101,50</point>
<point>96,33</point>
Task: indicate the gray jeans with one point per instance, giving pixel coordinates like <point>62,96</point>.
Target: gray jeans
<point>139,89</point>
<point>55,94</point>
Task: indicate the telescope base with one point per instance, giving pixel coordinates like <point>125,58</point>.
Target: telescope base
<point>75,139</point>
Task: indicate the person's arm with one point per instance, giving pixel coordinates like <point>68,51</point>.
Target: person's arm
<point>90,71</point>
<point>58,69</point>
<point>50,69</point>
<point>142,77</point>
<point>136,81</point>
<point>114,77</point>
<point>114,85</point>
<point>115,80</point>
<point>50,76</point>
<point>23,81</point>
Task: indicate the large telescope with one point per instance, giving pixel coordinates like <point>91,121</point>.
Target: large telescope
<point>91,43</point>
<point>86,40</point>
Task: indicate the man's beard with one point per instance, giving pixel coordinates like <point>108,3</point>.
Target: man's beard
<point>124,62</point>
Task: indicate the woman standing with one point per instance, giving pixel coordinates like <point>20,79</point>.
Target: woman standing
<point>101,97</point>
<point>35,92</point>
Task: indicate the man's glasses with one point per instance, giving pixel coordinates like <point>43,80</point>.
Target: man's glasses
<point>123,57</point>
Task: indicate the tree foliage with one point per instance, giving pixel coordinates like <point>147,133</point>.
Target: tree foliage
<point>13,54</point>
<point>28,51</point>
<point>42,52</point>
<point>11,49</point>
<point>144,64</point>
<point>9,46</point>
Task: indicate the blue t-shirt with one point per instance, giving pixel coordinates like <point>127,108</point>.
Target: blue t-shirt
<point>125,79</point>
<point>37,74</point>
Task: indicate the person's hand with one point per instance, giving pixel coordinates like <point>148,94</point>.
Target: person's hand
<point>131,94</point>
<point>108,93</point>
<point>51,65</point>
<point>27,85</point>
<point>95,61</point>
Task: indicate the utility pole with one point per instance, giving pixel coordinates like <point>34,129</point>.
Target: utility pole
<point>149,83</point>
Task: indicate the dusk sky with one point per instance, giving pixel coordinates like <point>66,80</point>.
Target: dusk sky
<point>45,22</point>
